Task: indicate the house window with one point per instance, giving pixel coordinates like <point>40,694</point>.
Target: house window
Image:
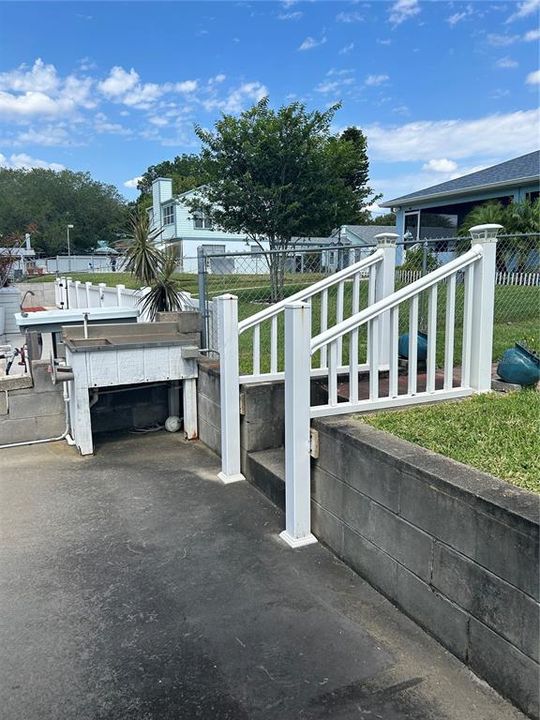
<point>168,215</point>
<point>202,221</point>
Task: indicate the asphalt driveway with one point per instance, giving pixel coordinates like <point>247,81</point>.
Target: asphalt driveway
<point>135,586</point>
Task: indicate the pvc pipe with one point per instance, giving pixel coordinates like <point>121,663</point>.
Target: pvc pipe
<point>63,436</point>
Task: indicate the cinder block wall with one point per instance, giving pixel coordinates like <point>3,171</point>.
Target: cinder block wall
<point>262,423</point>
<point>454,548</point>
<point>33,408</point>
<point>208,405</point>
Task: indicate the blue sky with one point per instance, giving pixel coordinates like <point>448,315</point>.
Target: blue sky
<point>440,88</point>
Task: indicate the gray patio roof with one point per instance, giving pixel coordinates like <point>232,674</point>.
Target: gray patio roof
<point>510,173</point>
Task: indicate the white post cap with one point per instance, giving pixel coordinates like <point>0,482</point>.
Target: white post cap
<point>485,233</point>
<point>386,239</point>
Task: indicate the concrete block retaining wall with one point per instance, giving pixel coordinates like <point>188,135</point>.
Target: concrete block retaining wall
<point>31,408</point>
<point>454,548</point>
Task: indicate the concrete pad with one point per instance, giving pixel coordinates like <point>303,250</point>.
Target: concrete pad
<point>136,586</point>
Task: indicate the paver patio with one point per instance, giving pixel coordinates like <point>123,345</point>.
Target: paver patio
<point>136,586</point>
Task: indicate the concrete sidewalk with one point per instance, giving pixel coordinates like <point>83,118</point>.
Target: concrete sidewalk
<point>135,586</point>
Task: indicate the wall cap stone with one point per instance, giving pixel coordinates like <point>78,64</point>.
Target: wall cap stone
<point>473,486</point>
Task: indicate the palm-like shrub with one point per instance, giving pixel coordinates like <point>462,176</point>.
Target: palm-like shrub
<point>144,260</point>
<point>165,293</point>
<point>517,219</point>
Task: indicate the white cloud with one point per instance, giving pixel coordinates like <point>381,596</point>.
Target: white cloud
<point>48,136</point>
<point>126,87</point>
<point>237,98</point>
<point>39,78</point>
<point>158,120</point>
<point>507,62</point>
<point>442,165</point>
<point>296,15</point>
<point>533,78</point>
<point>22,161</point>
<point>403,10</point>
<point>346,49</point>
<point>532,35</point>
<point>501,40</point>
<point>384,41</point>
<point>133,182</point>
<point>509,134</point>
<point>119,82</point>
<point>189,86</point>
<point>375,80</point>
<point>333,86</point>
<point>459,16</point>
<point>217,79</point>
<point>103,125</point>
<point>310,43</point>
<point>349,17</point>
<point>528,7</point>
<point>39,90</point>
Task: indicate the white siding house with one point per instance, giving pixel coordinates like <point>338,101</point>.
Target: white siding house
<point>186,230</point>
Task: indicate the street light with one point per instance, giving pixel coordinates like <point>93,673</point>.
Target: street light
<point>69,227</point>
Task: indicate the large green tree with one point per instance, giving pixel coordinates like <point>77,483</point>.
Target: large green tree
<point>186,170</point>
<point>274,175</point>
<point>48,201</point>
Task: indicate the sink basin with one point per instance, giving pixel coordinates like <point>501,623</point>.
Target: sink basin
<point>89,342</point>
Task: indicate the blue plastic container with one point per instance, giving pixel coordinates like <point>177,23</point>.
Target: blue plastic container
<point>421,346</point>
<point>520,366</point>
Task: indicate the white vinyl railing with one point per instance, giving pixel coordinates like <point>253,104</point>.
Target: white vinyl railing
<point>70,293</point>
<point>382,320</point>
<point>378,269</point>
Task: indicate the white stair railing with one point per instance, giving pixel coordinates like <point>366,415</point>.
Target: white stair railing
<point>379,271</point>
<point>478,266</point>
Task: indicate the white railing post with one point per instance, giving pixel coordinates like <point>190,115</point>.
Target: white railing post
<point>384,286</point>
<point>483,301</point>
<point>77,300</point>
<point>227,312</point>
<point>57,292</point>
<point>119,292</point>
<point>69,299</point>
<point>101,287</point>
<point>87,286</point>
<point>297,420</point>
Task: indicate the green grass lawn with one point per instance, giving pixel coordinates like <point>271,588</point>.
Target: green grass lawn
<point>517,310</point>
<point>497,433</point>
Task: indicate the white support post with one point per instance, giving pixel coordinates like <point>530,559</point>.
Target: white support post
<point>119,293</point>
<point>384,286</point>
<point>227,313</point>
<point>191,431</point>
<point>483,301</point>
<point>297,531</point>
<point>87,286</point>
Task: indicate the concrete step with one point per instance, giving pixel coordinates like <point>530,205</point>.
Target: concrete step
<point>266,470</point>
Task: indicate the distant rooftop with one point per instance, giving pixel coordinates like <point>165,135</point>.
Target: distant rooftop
<point>511,172</point>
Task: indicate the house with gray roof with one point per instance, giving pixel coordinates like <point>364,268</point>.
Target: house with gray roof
<point>438,211</point>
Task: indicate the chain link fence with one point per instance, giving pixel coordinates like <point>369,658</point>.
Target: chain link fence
<point>259,279</point>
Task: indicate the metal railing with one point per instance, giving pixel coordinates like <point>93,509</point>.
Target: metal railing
<point>478,267</point>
